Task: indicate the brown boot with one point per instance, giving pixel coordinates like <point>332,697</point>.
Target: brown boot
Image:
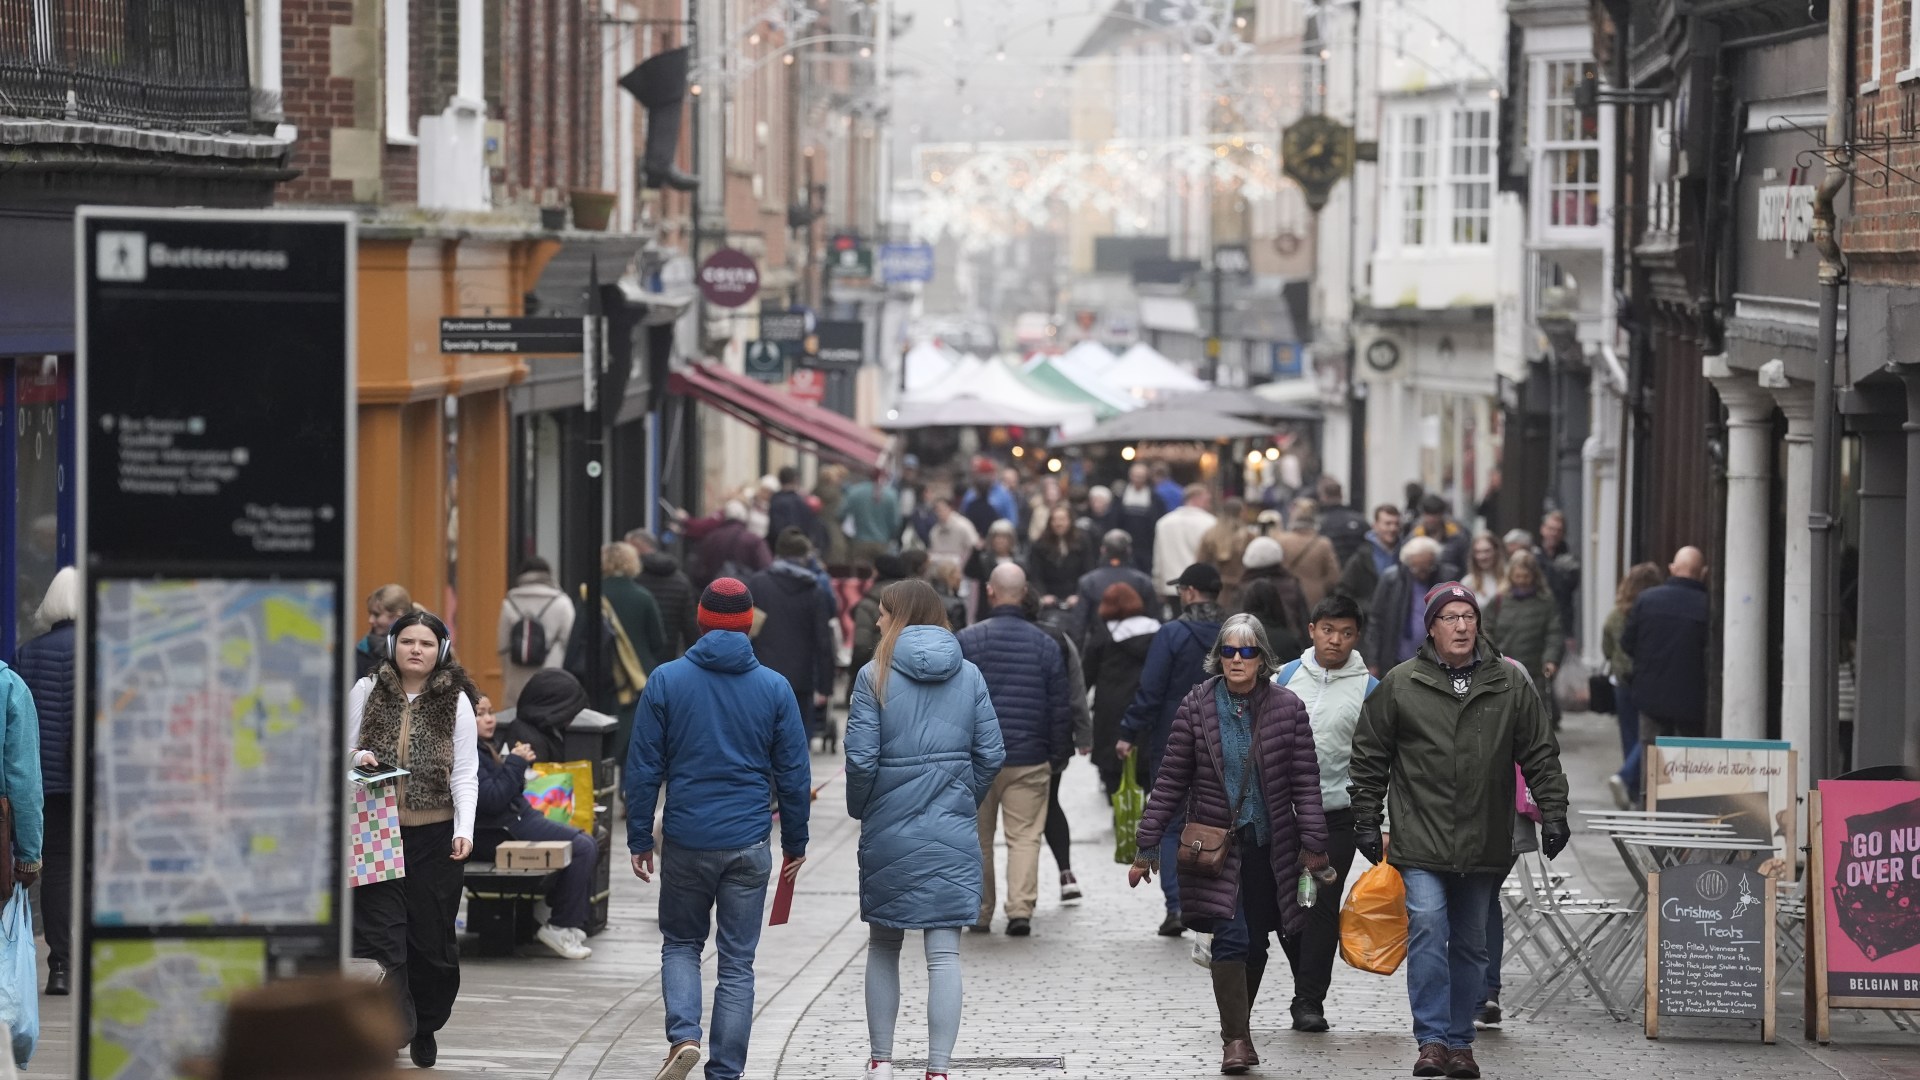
<point>1461,1066</point>
<point>1433,1060</point>
<point>1230,994</point>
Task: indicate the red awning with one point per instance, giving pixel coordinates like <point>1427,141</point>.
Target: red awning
<point>780,415</point>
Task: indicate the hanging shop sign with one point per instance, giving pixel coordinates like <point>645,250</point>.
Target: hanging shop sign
<point>840,344</point>
<point>729,278</point>
<point>902,263</point>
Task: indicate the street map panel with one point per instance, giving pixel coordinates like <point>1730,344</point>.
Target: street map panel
<point>213,758</point>
<point>157,1002</point>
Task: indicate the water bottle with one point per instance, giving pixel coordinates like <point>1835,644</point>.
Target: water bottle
<point>1309,889</point>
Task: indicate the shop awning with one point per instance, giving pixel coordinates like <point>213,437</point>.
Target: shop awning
<point>781,416</point>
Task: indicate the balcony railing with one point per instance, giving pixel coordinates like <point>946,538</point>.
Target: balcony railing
<point>170,64</point>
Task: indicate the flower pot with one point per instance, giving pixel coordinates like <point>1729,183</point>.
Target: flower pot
<point>553,218</point>
<point>592,209</point>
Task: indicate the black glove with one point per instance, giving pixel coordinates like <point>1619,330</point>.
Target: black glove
<point>1554,836</point>
<point>1367,841</point>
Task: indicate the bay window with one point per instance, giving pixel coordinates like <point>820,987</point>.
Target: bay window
<point>1439,164</point>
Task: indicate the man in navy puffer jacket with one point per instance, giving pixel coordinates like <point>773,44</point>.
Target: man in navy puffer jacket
<point>1027,680</point>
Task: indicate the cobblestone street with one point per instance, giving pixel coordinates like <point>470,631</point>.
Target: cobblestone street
<point>1094,993</point>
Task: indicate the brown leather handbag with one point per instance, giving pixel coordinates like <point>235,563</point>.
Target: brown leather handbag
<point>1203,848</point>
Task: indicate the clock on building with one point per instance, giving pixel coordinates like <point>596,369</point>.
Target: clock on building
<point>1317,151</point>
<point>1382,355</point>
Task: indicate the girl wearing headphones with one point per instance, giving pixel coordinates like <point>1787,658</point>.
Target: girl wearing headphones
<point>412,712</point>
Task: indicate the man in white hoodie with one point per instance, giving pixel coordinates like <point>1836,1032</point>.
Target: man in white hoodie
<point>1332,679</point>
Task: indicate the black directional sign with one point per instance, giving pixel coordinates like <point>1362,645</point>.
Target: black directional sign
<point>489,334</point>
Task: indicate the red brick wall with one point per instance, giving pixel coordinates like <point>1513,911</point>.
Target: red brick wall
<point>314,101</point>
<point>1883,230</point>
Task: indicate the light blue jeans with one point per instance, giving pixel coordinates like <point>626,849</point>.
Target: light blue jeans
<point>1446,952</point>
<point>943,992</point>
<point>693,886</point>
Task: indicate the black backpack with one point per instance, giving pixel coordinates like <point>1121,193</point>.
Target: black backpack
<point>528,645</point>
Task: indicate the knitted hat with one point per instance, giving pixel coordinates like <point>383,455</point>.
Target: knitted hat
<point>1263,551</point>
<point>726,605</point>
<point>1445,593</point>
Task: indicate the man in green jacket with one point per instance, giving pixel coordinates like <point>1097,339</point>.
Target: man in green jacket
<point>1441,736</point>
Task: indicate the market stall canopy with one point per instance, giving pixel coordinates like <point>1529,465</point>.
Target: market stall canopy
<point>1142,369</point>
<point>1290,391</point>
<point>780,416</point>
<point>1090,355</point>
<point>1169,315</point>
<point>978,392</point>
<point>927,363</point>
<point>1063,383</point>
<point>1246,404</point>
<point>1167,425</point>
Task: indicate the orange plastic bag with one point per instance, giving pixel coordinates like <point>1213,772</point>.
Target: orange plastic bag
<point>1373,922</point>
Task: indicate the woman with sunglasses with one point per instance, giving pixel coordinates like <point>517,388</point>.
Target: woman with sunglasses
<point>413,712</point>
<point>1240,758</point>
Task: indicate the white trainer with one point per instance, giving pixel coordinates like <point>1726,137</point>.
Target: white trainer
<point>561,942</point>
<point>879,1070</point>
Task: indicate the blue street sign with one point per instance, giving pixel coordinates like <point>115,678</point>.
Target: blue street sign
<point>906,262</point>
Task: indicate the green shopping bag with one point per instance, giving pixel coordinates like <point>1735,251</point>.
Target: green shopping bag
<point>1128,802</point>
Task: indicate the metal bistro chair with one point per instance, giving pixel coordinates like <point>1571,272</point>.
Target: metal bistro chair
<point>1577,930</point>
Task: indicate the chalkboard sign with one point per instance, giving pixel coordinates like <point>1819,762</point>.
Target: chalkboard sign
<point>1710,945</point>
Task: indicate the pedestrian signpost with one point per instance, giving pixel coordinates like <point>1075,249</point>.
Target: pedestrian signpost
<point>1710,945</point>
<point>531,336</point>
<point>215,461</point>
<point>1863,898</point>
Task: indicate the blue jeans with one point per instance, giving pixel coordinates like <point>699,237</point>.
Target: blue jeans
<point>943,992</point>
<point>1446,952</point>
<point>693,885</point>
<point>1256,912</point>
<point>1631,770</point>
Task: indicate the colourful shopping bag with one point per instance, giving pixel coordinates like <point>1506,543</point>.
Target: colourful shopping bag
<point>551,796</point>
<point>582,802</point>
<point>377,854</point>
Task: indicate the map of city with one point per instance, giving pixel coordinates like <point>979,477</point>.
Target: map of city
<point>157,1002</point>
<point>214,763</point>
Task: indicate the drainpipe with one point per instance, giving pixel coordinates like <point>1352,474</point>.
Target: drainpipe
<point>1825,629</point>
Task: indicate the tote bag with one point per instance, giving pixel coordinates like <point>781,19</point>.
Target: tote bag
<point>377,854</point>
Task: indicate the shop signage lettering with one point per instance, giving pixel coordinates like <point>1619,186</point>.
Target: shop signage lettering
<point>729,278</point>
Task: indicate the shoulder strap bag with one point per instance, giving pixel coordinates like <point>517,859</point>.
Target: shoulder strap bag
<point>1203,848</point>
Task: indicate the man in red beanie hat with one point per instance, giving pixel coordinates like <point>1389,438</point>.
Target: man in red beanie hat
<point>724,734</point>
<point>1442,733</point>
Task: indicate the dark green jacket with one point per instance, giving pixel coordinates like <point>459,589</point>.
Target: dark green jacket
<point>639,616</point>
<point>1446,765</point>
<point>1529,630</point>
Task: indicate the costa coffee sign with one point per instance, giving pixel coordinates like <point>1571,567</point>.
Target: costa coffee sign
<point>729,278</point>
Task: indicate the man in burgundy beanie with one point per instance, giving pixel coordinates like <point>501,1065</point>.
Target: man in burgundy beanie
<point>724,735</point>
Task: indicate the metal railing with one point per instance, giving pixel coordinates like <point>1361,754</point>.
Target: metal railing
<point>174,64</point>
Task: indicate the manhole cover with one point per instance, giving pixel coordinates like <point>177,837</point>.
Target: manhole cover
<point>911,1065</point>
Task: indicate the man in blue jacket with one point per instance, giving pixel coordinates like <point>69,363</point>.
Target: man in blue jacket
<point>724,734</point>
<point>1027,681</point>
<point>1176,663</point>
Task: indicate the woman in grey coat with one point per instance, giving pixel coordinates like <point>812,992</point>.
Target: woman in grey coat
<point>923,746</point>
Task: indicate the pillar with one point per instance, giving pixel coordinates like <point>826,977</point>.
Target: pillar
<point>1796,601</point>
<point>485,431</point>
<point>1743,653</point>
<point>1879,734</point>
<point>1910,374</point>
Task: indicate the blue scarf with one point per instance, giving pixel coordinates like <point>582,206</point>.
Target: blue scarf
<point>1236,748</point>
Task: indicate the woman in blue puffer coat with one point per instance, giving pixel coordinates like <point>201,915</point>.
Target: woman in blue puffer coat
<point>923,746</point>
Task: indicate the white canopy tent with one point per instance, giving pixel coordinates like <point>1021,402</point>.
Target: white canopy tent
<point>980,392</point>
<point>927,363</point>
<point>1142,370</point>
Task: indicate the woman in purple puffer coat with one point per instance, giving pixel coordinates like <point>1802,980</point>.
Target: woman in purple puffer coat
<point>1234,722</point>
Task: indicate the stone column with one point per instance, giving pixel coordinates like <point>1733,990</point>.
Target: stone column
<point>1796,600</point>
<point>1743,652</point>
<point>1879,728</point>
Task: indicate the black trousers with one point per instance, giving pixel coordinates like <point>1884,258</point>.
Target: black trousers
<point>1059,840</point>
<point>1310,953</point>
<point>56,878</point>
<point>408,926</point>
